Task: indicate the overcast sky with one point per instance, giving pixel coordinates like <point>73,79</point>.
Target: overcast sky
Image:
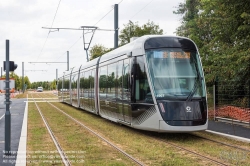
<point>22,22</point>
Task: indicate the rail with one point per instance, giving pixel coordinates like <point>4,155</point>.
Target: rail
<point>59,148</point>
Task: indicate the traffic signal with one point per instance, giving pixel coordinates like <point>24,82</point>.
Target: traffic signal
<point>12,66</point>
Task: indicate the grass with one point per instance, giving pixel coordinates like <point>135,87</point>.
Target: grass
<point>150,151</point>
<point>214,150</point>
<point>35,95</point>
<point>39,143</point>
<point>74,138</point>
<point>130,139</point>
<point>21,95</point>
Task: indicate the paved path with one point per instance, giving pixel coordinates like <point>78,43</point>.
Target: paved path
<point>17,111</point>
<point>229,129</point>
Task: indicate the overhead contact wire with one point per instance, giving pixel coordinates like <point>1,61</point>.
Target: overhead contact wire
<point>49,30</point>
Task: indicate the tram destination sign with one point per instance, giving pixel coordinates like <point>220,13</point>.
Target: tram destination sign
<point>174,55</point>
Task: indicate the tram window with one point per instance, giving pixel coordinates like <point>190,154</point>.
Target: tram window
<point>126,80</point>
<point>175,73</point>
<point>66,82</point>
<point>142,90</point>
<point>73,81</point>
<point>119,80</point>
<point>91,82</point>
<point>59,86</point>
<point>81,84</point>
<point>111,81</point>
<point>86,83</point>
<point>103,81</point>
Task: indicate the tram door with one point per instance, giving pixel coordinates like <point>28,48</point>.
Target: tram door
<point>141,97</point>
<point>123,76</point>
<point>92,93</point>
<point>74,89</point>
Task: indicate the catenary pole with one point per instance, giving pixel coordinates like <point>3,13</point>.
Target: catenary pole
<point>67,60</point>
<point>116,26</point>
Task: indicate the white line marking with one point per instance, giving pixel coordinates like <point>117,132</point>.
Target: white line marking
<point>230,136</point>
<point>2,116</point>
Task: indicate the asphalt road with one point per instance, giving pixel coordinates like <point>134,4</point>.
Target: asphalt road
<point>17,111</point>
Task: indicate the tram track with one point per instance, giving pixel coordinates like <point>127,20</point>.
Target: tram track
<point>158,139</point>
<point>63,156</point>
<point>189,151</point>
<point>94,133</point>
<point>171,143</point>
<point>222,143</point>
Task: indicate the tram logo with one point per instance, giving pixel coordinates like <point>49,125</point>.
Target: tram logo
<point>188,108</point>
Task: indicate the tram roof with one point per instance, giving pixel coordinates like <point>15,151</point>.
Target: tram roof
<point>134,48</point>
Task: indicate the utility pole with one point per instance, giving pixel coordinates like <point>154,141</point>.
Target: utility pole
<point>116,26</point>
<point>56,79</point>
<point>67,60</point>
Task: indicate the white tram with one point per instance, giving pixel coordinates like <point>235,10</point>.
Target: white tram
<point>154,83</point>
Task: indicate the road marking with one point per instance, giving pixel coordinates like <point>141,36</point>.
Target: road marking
<point>15,114</point>
<point>2,116</point>
<point>230,136</point>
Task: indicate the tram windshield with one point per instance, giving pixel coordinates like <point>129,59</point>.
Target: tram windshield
<point>175,74</point>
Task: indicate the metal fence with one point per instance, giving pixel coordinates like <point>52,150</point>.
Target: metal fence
<point>231,102</point>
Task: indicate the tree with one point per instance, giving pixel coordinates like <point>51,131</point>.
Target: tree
<point>27,82</point>
<point>53,84</point>
<point>98,50</point>
<point>221,29</point>
<point>134,30</point>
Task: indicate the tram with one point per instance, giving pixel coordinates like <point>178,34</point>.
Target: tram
<point>153,83</point>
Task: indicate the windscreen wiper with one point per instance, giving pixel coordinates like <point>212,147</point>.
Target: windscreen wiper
<point>198,80</point>
<point>191,94</point>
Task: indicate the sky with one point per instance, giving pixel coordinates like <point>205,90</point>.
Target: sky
<point>30,44</point>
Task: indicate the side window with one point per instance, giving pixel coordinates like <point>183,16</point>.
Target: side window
<point>119,80</point>
<point>126,80</point>
<point>59,84</point>
<point>66,82</point>
<point>142,90</point>
<point>103,80</point>
<point>81,82</point>
<point>86,83</point>
<point>91,80</point>
<point>103,87</point>
<point>74,81</point>
<point>111,80</point>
